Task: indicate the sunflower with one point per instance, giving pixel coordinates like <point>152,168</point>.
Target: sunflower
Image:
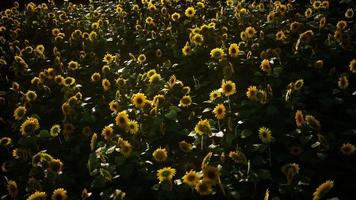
<point>160,154</point>
<point>185,146</point>
<point>154,78</point>
<point>151,73</point>
<point>37,196</point>
<point>265,134</point>
<point>204,188</point>
<point>141,58</point>
<point>265,65</point>
<point>312,121</point>
<point>122,119</point>
<point>198,39</point>
<point>280,36</point>
<point>308,12</point>
<point>133,126</point>
<point>190,12</point>
<point>191,178</point>
<point>68,81</point>
<point>298,84</point>
<point>31,95</point>
<point>347,149</point>
<point>59,194</point>
<point>114,106</point>
<point>108,58</point>
<point>217,53</point>
<point>5,141</point>
<point>219,111</point>
<point>107,132</point>
<point>92,36</point>
<point>12,188</point>
<point>322,22</point>
<point>238,157</point>
<point>158,100</point>
<point>341,25</point>
<point>299,119</point>
<point>55,130</point>
<point>73,65</point>
<point>214,95</point>
<point>228,87</point>
<point>20,112</point>
<point>211,174</point>
<point>30,125</point>
<point>349,13</point>
<point>250,32</point>
<point>55,165</point>
<point>352,65</point>
<point>185,101</point>
<point>149,21</point>
<point>186,50</point>
<point>59,79</point>
<point>139,100</point>
<point>343,82</point>
<point>125,147</point>
<point>165,174</point>
<point>175,16</point>
<point>252,93</point>
<point>106,84</point>
<point>234,50</point>
<point>323,189</point>
<point>203,126</point>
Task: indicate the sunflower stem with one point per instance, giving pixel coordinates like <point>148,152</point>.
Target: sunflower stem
<point>59,139</point>
<point>269,155</point>
<point>219,125</point>
<point>201,143</point>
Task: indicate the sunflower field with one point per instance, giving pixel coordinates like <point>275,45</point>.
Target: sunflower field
<point>178,99</point>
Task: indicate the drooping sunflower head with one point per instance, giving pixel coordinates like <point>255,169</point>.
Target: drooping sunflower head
<point>139,100</point>
<point>12,188</point>
<point>352,65</point>
<point>37,196</point>
<point>160,154</point>
<point>323,189</point>
<point>185,146</point>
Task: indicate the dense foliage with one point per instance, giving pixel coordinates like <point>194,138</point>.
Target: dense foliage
<point>178,99</point>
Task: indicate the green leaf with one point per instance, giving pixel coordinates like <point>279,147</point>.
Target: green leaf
<point>98,182</point>
<point>277,71</point>
<point>106,174</point>
<point>245,133</point>
<point>172,115</point>
<point>44,134</point>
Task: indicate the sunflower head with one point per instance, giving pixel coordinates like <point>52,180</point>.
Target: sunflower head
<point>204,187</point>
<point>323,189</point>
<point>185,146</point>
<point>228,87</point>
<point>202,127</point>
<point>133,126</point>
<point>265,134</point>
<point>191,178</point>
<point>107,132</point>
<point>185,101</point>
<point>125,147</point>
<point>122,119</point>
<point>190,12</point>
<point>217,53</point>
<point>59,194</point>
<point>211,174</point>
<point>219,111</point>
<point>347,149</point>
<point>165,174</point>
<point>160,154</point>
<point>234,50</point>
<point>139,100</point>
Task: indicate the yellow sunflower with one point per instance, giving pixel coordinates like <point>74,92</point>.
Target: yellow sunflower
<point>55,165</point>
<point>228,87</point>
<point>139,100</point>
<point>191,178</point>
<point>108,58</point>
<point>59,194</point>
<point>211,174</point>
<point>343,82</point>
<point>107,132</point>
<point>37,196</point>
<point>234,50</point>
<point>133,126</point>
<point>125,147</point>
<point>185,101</point>
<point>141,58</point>
<point>185,146</point>
<point>265,65</point>
<point>312,121</point>
<point>12,188</point>
<point>160,154</point>
<point>250,32</point>
<point>29,126</point>
<point>217,53</point>
<point>106,84</point>
<point>186,50</point>
<point>73,65</point>
<point>219,111</point>
<point>347,149</point>
<point>252,93</point>
<point>203,126</point>
<point>204,188</point>
<point>214,95</point>
<point>190,12</point>
<point>352,65</point>
<point>323,189</point>
<point>165,174</point>
<point>20,112</point>
<point>265,134</point>
<point>349,13</point>
<point>175,16</point>
<point>31,95</point>
<point>122,119</point>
